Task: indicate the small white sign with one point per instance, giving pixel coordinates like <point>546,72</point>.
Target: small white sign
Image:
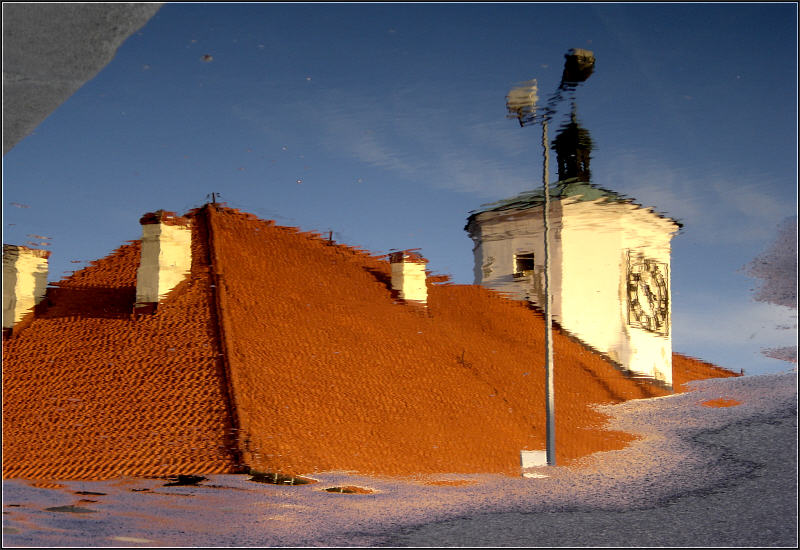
<point>533,459</point>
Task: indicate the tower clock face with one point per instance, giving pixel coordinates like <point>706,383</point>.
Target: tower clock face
<point>648,295</point>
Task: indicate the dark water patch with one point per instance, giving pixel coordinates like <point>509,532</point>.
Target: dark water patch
<point>275,478</point>
<point>350,490</point>
<point>184,480</point>
<point>70,509</point>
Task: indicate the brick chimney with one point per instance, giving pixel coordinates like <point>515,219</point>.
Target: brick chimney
<point>24,281</point>
<point>408,277</point>
<point>166,257</point>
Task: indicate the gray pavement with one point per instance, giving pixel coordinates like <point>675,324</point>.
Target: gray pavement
<point>51,49</point>
<point>756,507</point>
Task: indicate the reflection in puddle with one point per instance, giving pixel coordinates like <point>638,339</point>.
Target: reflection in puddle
<point>610,290</point>
<point>461,386</point>
<point>605,274</point>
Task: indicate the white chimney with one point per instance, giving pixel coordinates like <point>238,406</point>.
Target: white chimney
<point>166,257</point>
<point>408,277</point>
<point>24,281</point>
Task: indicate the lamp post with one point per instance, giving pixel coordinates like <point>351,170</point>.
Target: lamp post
<point>521,104</point>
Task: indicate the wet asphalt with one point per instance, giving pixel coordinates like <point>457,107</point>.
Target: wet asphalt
<point>757,507</point>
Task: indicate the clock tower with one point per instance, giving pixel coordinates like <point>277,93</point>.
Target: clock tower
<point>610,261</point>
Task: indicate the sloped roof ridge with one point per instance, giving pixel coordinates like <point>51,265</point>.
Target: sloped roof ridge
<point>309,234</point>
<point>572,188</point>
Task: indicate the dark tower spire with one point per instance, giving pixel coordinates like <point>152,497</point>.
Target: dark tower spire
<point>573,147</point>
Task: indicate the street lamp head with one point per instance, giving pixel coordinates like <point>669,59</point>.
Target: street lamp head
<point>521,101</point>
<point>578,67</point>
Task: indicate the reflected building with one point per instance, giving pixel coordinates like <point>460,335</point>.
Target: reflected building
<point>609,258</point>
<point>281,352</point>
<point>219,342</point>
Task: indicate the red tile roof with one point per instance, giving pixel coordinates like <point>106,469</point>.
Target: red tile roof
<point>297,347</point>
<point>90,392</point>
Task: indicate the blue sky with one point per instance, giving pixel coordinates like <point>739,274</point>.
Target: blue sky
<point>385,123</point>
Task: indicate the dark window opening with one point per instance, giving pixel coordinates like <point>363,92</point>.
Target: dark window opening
<point>523,264</point>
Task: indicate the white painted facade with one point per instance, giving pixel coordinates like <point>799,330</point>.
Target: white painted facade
<point>408,277</point>
<point>24,281</point>
<point>166,259</point>
<point>604,254</point>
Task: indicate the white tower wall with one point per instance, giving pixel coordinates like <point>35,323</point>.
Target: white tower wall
<point>591,243</point>
<point>591,246</point>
